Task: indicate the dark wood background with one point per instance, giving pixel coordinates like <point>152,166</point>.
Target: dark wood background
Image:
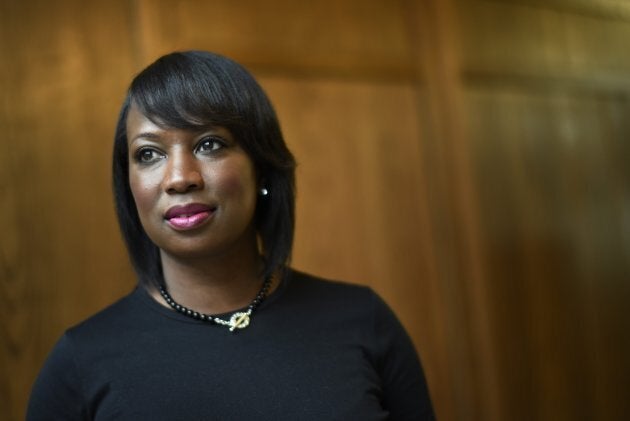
<point>467,159</point>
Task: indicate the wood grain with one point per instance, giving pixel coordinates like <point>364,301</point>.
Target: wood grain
<point>360,187</point>
<point>465,158</point>
<point>63,74</point>
<point>543,104</point>
<point>352,38</point>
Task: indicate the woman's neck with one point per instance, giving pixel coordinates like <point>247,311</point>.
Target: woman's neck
<point>213,285</point>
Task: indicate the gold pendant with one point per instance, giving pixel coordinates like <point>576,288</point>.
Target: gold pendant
<point>239,321</point>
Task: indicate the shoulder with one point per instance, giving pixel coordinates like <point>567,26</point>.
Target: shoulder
<point>337,301</point>
<point>336,292</point>
<point>111,319</point>
<point>343,301</point>
<point>306,284</point>
<point>59,391</point>
<point>359,316</point>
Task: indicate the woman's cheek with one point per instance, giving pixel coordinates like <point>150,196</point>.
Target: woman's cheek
<point>235,179</point>
<point>143,191</point>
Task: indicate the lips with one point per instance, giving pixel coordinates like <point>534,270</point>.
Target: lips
<point>188,216</point>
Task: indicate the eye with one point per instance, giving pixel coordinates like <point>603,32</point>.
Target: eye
<point>148,155</point>
<point>209,145</point>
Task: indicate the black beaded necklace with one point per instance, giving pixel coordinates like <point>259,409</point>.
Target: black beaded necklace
<point>238,320</point>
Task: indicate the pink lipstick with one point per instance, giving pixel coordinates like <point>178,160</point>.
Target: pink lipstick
<point>188,216</point>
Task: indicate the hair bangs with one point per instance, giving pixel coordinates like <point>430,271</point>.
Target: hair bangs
<point>187,93</point>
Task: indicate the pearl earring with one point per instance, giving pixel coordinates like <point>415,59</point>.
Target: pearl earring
<point>264,191</point>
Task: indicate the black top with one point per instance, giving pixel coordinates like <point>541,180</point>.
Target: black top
<point>315,350</point>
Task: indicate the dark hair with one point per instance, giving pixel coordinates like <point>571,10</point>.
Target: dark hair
<point>193,89</point>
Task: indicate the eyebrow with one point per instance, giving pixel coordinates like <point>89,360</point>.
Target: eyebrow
<point>201,130</point>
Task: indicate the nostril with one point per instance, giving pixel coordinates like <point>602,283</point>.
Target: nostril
<point>183,180</point>
<point>182,187</point>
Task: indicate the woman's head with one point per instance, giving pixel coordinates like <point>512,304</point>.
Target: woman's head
<point>192,90</point>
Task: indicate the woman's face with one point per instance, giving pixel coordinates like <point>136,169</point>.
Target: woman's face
<point>195,191</point>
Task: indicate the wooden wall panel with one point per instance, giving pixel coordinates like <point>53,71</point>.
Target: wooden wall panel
<point>351,38</point>
<point>64,69</point>
<point>468,366</point>
<point>466,158</point>
<point>607,9</point>
<point>554,239</point>
<point>545,44</point>
<point>545,88</point>
<point>357,151</point>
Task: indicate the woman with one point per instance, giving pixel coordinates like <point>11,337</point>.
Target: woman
<point>219,326</point>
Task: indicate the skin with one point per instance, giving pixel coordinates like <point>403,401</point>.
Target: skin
<point>213,267</point>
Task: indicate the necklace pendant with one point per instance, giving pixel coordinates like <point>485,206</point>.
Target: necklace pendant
<point>239,321</point>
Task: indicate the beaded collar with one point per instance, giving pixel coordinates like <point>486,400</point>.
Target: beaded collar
<point>238,320</point>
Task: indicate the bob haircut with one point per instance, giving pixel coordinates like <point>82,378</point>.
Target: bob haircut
<point>196,89</point>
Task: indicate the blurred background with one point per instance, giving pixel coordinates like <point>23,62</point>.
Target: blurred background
<point>466,159</point>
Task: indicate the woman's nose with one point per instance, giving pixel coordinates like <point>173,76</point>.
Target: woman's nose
<point>183,173</point>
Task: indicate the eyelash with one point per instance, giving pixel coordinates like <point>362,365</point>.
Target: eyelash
<point>139,158</point>
<point>214,141</point>
<point>216,144</point>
